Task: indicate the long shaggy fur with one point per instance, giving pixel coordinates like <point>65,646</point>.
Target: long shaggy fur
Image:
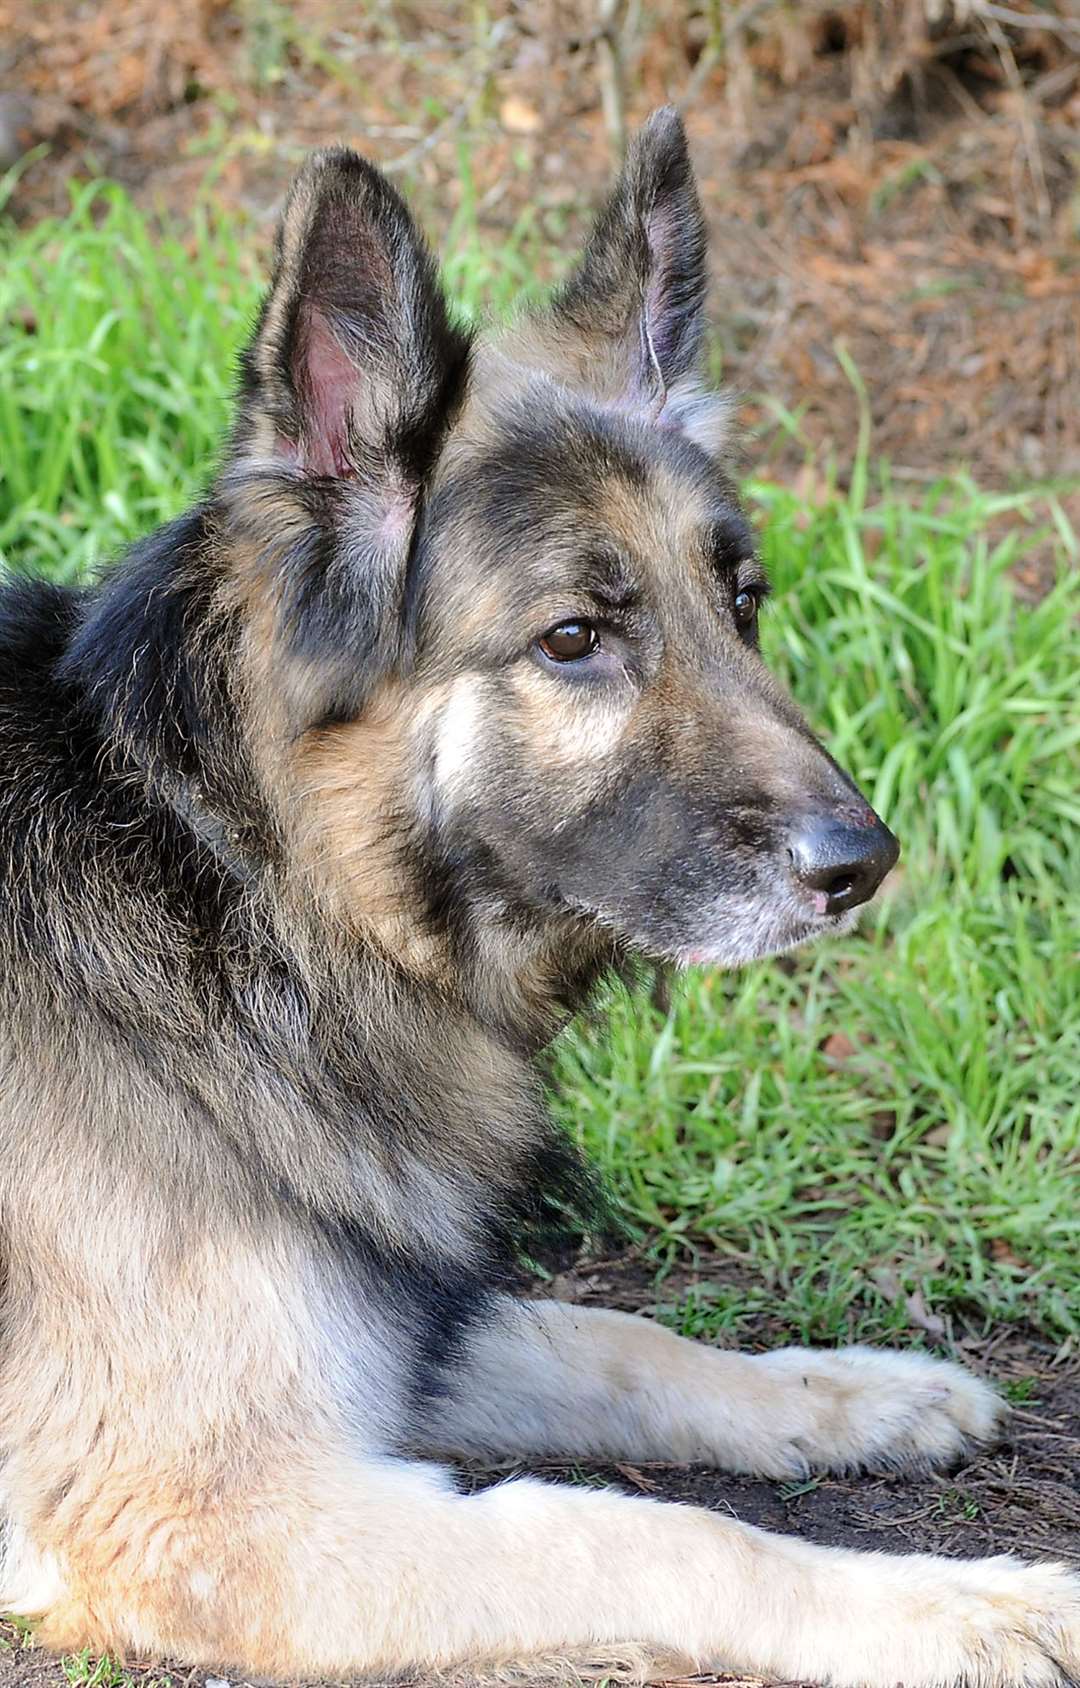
<point>310,839</point>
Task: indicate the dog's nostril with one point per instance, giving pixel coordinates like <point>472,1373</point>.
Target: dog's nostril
<point>842,862</point>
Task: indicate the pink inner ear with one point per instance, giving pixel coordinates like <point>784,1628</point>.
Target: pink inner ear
<point>326,379</point>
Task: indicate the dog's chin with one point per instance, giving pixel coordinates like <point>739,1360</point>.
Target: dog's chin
<point>731,932</point>
<point>758,940</point>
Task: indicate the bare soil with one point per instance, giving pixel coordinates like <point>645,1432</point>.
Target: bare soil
<point>1022,1497</point>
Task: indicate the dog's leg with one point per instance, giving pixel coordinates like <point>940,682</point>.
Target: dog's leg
<point>546,1378</point>
<point>342,1567</point>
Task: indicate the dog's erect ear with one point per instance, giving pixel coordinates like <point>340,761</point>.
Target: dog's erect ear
<point>354,362</point>
<point>641,280</point>
<point>351,380</point>
<point>628,324</point>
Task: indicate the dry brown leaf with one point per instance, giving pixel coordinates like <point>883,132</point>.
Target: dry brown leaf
<point>518,116</point>
<point>1005,1255</point>
<point>838,1048</point>
<point>886,1282</point>
<point>921,1316</point>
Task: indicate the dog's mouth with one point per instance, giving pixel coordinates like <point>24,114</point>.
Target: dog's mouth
<point>773,932</point>
<point>833,868</point>
<point>730,930</point>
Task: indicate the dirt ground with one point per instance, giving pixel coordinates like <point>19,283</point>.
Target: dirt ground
<point>1021,1497</point>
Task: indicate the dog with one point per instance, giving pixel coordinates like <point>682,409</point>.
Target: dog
<point>318,816</point>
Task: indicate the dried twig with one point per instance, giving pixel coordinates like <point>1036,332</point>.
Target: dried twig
<point>491,52</point>
<point>1028,20</point>
<point>732,28</point>
<point>614,25</point>
<point>1027,123</point>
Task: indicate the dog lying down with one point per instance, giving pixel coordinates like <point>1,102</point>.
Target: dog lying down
<point>318,816</point>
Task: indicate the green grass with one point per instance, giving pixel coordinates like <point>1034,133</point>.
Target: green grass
<point>940,1156</point>
<point>91,1670</point>
<point>16,1634</point>
<point>116,362</point>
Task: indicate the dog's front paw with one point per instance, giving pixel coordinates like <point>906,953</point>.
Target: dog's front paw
<point>867,1408</point>
<point>987,1623</point>
<point>1026,1620</point>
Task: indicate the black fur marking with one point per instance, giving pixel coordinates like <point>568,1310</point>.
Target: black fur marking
<point>549,466</point>
<point>434,1301</point>
<point>131,652</point>
<point>730,540</point>
<point>156,669</point>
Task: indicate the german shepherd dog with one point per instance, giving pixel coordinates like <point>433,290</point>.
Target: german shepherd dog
<point>318,816</point>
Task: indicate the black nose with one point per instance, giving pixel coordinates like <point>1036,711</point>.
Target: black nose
<point>846,862</point>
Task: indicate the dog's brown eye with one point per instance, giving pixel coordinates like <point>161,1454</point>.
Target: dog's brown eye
<point>745,608</point>
<point>570,641</point>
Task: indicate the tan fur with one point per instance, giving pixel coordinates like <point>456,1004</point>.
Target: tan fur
<point>345,788</point>
<point>595,365</point>
<point>292,1556</point>
<point>565,733</point>
<point>275,1549</point>
<point>566,1380</point>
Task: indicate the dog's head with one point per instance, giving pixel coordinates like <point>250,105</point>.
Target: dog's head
<point>503,603</point>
